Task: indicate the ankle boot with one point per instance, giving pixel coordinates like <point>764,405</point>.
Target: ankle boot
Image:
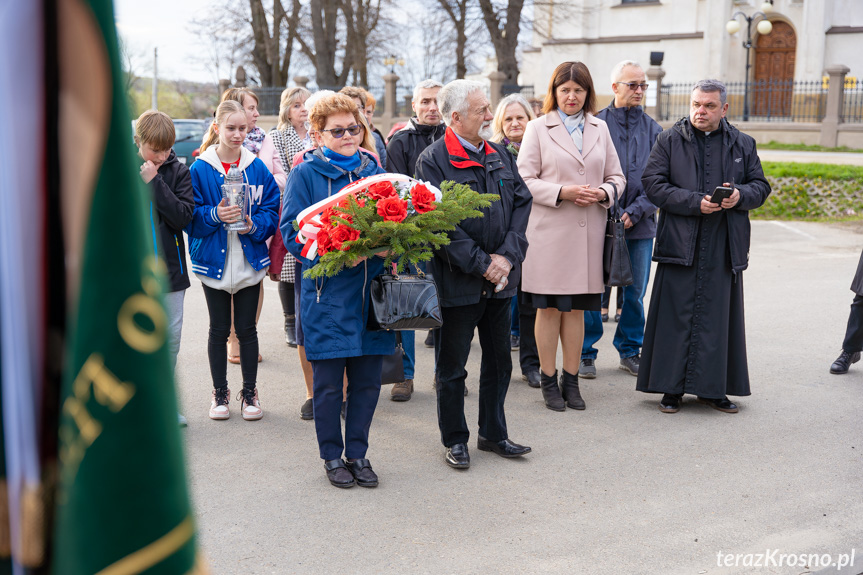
<point>551,392</point>
<point>291,330</point>
<point>569,385</point>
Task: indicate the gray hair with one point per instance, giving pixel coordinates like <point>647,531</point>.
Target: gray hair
<point>711,86</point>
<point>617,71</point>
<point>497,123</point>
<point>424,85</point>
<point>313,99</point>
<point>453,97</point>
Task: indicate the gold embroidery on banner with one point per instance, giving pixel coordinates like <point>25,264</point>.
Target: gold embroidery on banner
<point>133,333</point>
<point>154,553</point>
<point>32,535</point>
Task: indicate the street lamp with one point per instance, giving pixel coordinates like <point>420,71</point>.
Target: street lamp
<point>392,60</point>
<point>764,27</point>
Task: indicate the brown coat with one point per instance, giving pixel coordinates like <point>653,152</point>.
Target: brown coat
<point>565,241</point>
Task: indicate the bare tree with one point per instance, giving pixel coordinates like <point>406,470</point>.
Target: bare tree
<point>504,23</point>
<point>362,18</point>
<point>270,55</point>
<point>133,60</point>
<point>224,34</point>
<point>457,12</point>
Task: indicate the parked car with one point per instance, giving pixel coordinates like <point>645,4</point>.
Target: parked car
<point>189,135</point>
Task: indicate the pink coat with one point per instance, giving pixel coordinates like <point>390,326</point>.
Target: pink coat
<point>565,241</point>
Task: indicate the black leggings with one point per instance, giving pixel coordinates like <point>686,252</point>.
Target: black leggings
<point>245,309</point>
<point>286,294</point>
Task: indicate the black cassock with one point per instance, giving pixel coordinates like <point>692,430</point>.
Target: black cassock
<point>694,339</point>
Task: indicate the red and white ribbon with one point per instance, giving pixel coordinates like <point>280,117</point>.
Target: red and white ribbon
<point>309,220</point>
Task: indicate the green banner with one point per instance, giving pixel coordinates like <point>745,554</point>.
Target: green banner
<point>123,505</point>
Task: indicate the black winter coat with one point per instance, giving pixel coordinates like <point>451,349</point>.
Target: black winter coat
<point>633,133</point>
<point>459,267</point>
<point>171,210</point>
<point>672,181</point>
<point>406,145</point>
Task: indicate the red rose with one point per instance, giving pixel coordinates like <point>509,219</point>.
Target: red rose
<point>381,190</point>
<point>422,199</point>
<point>327,215</point>
<point>325,243</point>
<point>342,234</point>
<point>392,209</point>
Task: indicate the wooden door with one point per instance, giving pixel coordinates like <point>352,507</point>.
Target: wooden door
<point>773,91</point>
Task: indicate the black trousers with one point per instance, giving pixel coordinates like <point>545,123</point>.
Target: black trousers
<point>528,356</point>
<point>491,317</point>
<point>286,295</point>
<point>245,310</point>
<point>854,332</point>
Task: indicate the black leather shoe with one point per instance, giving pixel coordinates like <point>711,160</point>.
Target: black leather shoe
<point>551,392</point>
<point>617,316</point>
<point>570,392</point>
<point>670,403</point>
<point>604,317</point>
<point>532,378</point>
<point>504,448</point>
<point>429,342</point>
<point>307,410</point>
<point>723,404</point>
<point>338,473</point>
<point>457,456</point>
<point>291,330</point>
<point>514,342</point>
<point>844,361</point>
<point>361,469</point>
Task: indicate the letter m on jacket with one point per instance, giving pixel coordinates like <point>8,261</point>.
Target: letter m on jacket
<point>257,192</point>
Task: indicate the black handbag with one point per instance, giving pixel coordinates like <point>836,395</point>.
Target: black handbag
<point>403,302</point>
<point>393,370</point>
<point>616,266</point>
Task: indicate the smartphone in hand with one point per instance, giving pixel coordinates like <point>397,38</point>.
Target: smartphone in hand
<point>719,194</point>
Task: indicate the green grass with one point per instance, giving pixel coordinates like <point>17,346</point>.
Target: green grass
<point>797,200</point>
<point>811,171</point>
<point>806,148</point>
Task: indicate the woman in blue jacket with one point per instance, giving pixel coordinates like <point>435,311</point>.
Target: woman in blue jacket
<point>335,309</point>
<point>231,264</point>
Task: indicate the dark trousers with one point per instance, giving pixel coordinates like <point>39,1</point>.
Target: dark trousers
<point>854,332</point>
<point>364,388</point>
<point>452,346</point>
<point>286,295</point>
<point>245,310</point>
<point>528,356</point>
<point>606,298</point>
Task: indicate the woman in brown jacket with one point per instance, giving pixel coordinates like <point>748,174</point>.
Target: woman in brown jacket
<point>570,165</point>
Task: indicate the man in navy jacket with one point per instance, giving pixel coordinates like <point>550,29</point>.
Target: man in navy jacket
<point>477,273</point>
<point>633,133</point>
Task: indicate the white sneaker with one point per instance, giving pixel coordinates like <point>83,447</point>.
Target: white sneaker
<point>250,404</point>
<point>219,404</point>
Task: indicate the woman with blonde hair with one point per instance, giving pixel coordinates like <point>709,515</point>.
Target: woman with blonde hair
<point>510,120</point>
<point>571,167</point>
<point>231,264</point>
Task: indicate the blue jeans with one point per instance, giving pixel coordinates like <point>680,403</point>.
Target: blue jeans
<point>630,330</point>
<point>514,328</point>
<point>409,359</point>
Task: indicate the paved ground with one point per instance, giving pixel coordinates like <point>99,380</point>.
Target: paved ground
<point>617,489</point>
<point>847,158</point>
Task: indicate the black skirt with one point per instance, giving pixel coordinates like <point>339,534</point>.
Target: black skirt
<point>563,302</point>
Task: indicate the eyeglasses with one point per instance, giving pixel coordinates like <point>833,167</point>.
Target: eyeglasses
<point>633,86</point>
<point>339,132</point>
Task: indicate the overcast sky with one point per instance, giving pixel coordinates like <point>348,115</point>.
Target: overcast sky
<point>162,24</point>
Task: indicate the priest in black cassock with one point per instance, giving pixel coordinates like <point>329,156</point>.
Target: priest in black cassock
<point>694,340</point>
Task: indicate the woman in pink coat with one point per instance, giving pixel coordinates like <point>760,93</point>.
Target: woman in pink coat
<point>570,165</point>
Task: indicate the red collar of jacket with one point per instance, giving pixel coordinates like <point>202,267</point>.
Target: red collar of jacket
<point>457,155</point>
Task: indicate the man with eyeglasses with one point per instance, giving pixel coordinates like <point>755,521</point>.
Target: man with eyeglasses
<point>633,133</point>
<point>477,273</point>
<point>695,339</point>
